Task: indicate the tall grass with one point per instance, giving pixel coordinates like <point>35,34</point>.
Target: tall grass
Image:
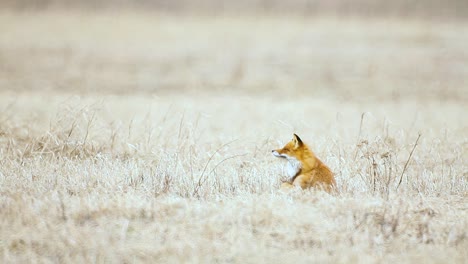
<point>169,187</point>
<point>151,141</point>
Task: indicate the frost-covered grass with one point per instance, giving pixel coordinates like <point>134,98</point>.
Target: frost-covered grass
<point>151,141</point>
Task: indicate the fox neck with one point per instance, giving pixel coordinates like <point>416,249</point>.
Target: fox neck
<point>308,160</point>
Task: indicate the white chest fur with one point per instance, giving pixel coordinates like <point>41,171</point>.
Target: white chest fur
<point>293,167</point>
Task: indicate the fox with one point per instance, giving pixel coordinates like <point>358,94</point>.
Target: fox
<point>304,168</point>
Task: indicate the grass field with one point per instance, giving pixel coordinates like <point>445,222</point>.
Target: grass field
<point>143,137</point>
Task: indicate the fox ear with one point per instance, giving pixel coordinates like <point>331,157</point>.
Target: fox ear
<point>297,141</point>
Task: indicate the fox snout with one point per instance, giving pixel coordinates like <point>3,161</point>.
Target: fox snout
<point>277,154</point>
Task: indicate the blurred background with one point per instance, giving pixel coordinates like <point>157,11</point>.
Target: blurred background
<point>450,9</point>
<point>342,49</point>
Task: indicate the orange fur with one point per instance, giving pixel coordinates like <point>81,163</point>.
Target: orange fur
<point>312,171</point>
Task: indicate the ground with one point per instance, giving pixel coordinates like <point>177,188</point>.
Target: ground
<point>146,137</point>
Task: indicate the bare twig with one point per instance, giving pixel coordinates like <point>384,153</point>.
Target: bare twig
<point>90,121</point>
<point>228,158</point>
<point>200,179</point>
<point>214,168</point>
<point>130,126</point>
<point>359,135</point>
<point>71,129</point>
<point>62,207</point>
<point>181,123</point>
<point>407,162</point>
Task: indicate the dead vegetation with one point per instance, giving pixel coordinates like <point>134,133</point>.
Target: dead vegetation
<point>92,173</point>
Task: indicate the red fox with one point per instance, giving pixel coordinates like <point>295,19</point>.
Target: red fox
<point>304,168</point>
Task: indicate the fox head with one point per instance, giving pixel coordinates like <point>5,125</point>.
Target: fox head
<point>290,150</point>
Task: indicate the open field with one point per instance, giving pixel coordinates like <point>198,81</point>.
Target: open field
<point>142,137</point>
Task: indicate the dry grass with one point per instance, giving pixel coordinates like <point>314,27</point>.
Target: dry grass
<point>107,154</point>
